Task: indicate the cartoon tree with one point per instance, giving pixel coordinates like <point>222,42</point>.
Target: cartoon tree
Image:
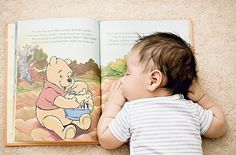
<point>25,58</point>
<point>116,68</point>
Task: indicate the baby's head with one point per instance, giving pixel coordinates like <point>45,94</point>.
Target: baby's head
<point>158,65</point>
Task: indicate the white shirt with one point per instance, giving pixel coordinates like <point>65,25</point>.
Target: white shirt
<point>162,125</point>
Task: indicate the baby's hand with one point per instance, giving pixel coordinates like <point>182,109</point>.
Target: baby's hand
<point>74,103</point>
<point>115,94</point>
<point>195,91</point>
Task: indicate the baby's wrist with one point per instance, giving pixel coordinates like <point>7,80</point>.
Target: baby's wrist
<point>206,102</point>
<point>116,102</point>
<point>111,108</point>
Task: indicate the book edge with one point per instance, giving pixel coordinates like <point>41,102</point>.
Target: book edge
<point>5,87</point>
<point>190,31</point>
<point>41,143</point>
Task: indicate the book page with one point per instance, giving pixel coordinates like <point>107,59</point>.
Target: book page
<point>57,58</point>
<point>118,37</point>
<point>10,88</point>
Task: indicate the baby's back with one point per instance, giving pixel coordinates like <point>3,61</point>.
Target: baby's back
<point>168,125</point>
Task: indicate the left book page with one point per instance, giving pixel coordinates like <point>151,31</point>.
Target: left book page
<point>53,82</point>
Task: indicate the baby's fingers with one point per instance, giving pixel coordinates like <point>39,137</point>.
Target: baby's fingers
<point>190,95</point>
<point>113,85</point>
<point>118,84</point>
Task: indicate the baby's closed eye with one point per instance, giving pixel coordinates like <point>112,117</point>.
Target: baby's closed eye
<point>127,73</point>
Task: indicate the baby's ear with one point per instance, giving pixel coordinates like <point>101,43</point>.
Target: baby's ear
<point>53,60</point>
<point>68,61</point>
<point>155,79</point>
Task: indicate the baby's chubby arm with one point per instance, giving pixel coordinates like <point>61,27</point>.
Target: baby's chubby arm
<point>115,102</point>
<point>218,126</point>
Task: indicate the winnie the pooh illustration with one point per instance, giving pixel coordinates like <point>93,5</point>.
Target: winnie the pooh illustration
<point>63,103</point>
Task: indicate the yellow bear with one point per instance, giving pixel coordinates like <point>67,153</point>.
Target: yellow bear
<point>60,100</point>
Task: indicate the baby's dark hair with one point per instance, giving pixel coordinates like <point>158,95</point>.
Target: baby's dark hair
<point>171,55</point>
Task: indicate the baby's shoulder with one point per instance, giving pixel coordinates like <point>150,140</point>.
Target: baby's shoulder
<point>190,105</point>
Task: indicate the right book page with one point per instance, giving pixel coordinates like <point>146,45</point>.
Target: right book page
<point>118,37</point>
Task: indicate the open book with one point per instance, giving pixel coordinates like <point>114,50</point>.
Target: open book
<point>59,72</point>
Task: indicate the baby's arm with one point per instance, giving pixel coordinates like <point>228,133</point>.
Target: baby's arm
<point>112,107</point>
<point>218,126</point>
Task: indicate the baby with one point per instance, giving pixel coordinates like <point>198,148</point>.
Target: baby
<point>148,105</point>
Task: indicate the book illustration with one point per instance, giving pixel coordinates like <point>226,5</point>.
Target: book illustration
<point>111,72</point>
<point>26,57</point>
<point>56,109</point>
<point>74,87</point>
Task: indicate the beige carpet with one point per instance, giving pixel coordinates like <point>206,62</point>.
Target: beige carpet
<point>214,25</point>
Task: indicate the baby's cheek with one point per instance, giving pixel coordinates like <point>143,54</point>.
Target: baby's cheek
<point>123,89</point>
<point>127,92</point>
